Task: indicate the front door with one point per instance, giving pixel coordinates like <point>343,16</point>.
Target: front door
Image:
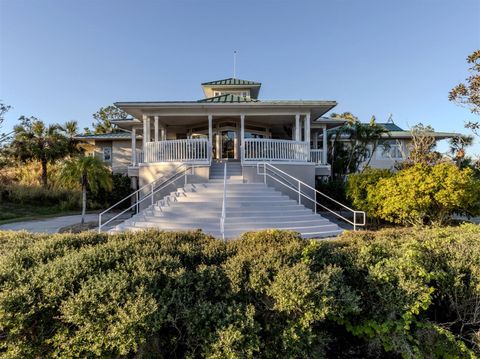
<point>227,144</point>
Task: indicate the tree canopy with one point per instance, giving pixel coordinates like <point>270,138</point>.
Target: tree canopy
<point>468,93</point>
<point>103,119</point>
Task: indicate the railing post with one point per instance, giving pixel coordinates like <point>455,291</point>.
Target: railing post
<point>100,223</point>
<point>299,196</point>
<point>152,194</point>
<point>354,220</point>
<point>315,202</point>
<point>265,173</point>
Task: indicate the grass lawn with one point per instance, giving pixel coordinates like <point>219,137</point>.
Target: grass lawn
<point>15,212</point>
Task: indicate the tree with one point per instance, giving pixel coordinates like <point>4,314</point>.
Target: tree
<point>104,117</point>
<point>468,93</point>
<point>458,144</point>
<point>35,141</point>
<point>90,172</point>
<point>354,143</point>
<point>3,110</point>
<point>422,147</point>
<point>70,129</point>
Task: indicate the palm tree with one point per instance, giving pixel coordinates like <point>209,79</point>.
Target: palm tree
<point>351,141</point>
<point>33,140</point>
<point>70,129</point>
<point>90,172</point>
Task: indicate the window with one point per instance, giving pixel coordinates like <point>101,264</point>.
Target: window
<point>107,154</point>
<point>389,150</point>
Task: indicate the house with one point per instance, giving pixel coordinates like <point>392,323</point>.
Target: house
<point>230,122</point>
<point>226,163</point>
<point>396,145</point>
<point>393,148</point>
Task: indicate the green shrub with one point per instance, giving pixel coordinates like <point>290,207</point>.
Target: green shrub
<point>270,294</point>
<point>361,186</point>
<point>39,196</point>
<point>419,194</point>
<point>427,194</point>
<point>121,188</point>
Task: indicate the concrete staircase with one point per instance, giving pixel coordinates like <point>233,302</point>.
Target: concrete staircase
<point>234,171</point>
<point>249,206</point>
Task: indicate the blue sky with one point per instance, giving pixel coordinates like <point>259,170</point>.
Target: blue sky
<point>61,60</point>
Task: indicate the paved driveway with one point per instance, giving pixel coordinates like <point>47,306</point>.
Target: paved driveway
<point>48,225</point>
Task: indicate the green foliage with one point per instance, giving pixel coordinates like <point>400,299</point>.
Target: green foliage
<point>90,173</point>
<point>266,295</point>
<point>103,119</point>
<point>427,194</point>
<point>361,186</point>
<point>351,141</point>
<point>468,93</point>
<point>39,196</point>
<point>419,194</point>
<point>121,188</point>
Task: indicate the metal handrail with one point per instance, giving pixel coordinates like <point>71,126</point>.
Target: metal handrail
<point>154,189</point>
<point>222,218</point>
<point>298,190</point>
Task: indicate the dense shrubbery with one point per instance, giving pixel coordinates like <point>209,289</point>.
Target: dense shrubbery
<point>24,191</point>
<point>418,194</point>
<point>121,188</point>
<point>267,295</point>
<point>38,196</point>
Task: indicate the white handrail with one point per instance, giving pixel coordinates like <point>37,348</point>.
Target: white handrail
<point>298,189</point>
<point>177,173</point>
<point>222,218</point>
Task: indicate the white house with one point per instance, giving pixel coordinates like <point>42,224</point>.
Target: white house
<point>226,163</point>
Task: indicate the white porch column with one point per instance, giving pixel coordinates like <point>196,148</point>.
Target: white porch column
<point>156,128</point>
<point>134,146</point>
<point>315,139</point>
<point>145,136</point>
<point>325,145</point>
<point>297,127</point>
<point>163,133</point>
<point>307,129</point>
<point>210,131</point>
<point>242,135</point>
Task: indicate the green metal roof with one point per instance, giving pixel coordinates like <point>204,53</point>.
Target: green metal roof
<point>106,136</point>
<point>231,82</point>
<point>228,98</point>
<point>390,126</point>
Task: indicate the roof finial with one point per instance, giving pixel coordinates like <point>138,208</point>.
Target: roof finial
<point>390,118</point>
<point>234,63</point>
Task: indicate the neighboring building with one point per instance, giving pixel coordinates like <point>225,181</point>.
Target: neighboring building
<point>395,147</point>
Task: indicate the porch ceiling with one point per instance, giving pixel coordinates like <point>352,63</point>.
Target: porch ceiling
<point>272,109</point>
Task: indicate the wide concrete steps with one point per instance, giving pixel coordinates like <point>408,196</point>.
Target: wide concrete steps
<point>249,207</point>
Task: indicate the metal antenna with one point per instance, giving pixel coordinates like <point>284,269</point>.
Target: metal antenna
<point>234,63</point>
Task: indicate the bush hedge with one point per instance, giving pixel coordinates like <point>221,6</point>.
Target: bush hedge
<point>416,195</point>
<point>388,294</point>
<point>38,196</point>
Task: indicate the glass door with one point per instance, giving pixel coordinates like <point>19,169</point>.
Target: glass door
<point>227,144</point>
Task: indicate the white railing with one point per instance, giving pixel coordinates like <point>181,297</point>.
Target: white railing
<point>222,218</point>
<point>265,149</point>
<point>138,157</point>
<point>316,156</point>
<point>299,188</point>
<point>191,150</point>
<point>149,190</point>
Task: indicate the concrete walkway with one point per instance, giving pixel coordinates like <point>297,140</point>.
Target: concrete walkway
<point>48,225</point>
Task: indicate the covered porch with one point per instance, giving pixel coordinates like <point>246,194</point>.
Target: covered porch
<point>253,138</point>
